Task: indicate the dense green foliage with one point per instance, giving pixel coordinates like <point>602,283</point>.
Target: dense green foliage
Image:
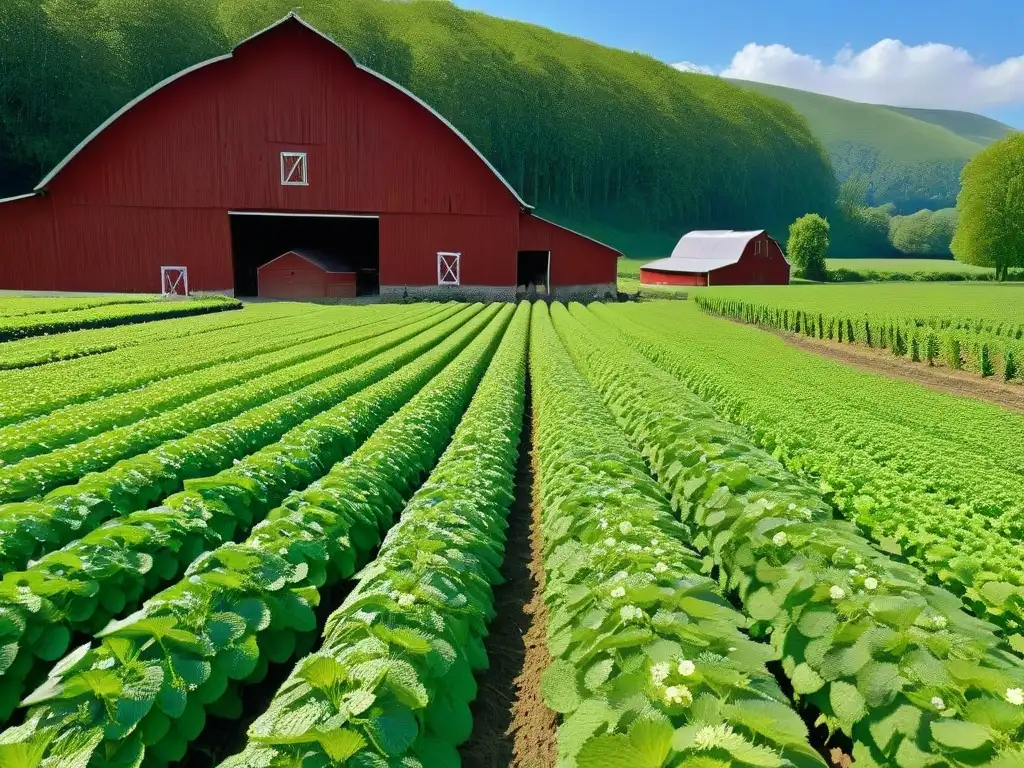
<point>925,233</point>
<point>807,246</point>
<point>911,158</point>
<point>891,661</point>
<point>649,666</point>
<point>579,129</point>
<point>991,208</point>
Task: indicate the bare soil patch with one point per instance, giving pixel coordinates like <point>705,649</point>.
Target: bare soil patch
<point>533,728</point>
<point>492,744</point>
<point>947,380</point>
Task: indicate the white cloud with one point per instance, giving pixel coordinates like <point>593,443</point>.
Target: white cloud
<point>889,72</point>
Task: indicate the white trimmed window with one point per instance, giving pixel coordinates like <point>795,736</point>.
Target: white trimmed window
<point>448,268</point>
<point>293,169</point>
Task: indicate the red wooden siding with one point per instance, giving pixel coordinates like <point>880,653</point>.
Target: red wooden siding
<point>575,260</point>
<point>769,267</point>
<point>292,277</point>
<point>155,186</point>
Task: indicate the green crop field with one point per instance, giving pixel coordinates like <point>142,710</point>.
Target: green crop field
<point>907,265</point>
<point>296,535</point>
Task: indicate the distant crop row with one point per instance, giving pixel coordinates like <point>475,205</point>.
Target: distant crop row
<point>105,315</point>
<point>884,657</point>
<point>17,306</point>
<point>984,348</point>
<point>39,350</point>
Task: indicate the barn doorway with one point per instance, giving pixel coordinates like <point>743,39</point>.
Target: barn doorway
<point>257,238</point>
<point>533,272</point>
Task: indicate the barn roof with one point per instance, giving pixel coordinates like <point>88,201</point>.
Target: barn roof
<point>292,17</point>
<point>705,250</point>
<point>328,262</point>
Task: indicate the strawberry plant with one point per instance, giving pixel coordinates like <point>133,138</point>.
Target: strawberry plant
<point>883,656</point>
<point>392,683</point>
<point>30,529</point>
<point>146,687</point>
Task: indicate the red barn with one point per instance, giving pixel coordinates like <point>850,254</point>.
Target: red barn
<point>287,144</point>
<point>306,275</point>
<point>720,257</point>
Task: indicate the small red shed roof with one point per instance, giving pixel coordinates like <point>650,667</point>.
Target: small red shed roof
<point>328,262</point>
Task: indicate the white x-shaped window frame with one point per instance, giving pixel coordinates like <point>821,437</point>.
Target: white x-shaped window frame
<point>448,268</point>
<point>293,169</point>
<point>173,278</point>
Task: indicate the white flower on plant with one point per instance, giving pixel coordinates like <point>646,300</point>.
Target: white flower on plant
<point>654,542</point>
<point>405,599</point>
<point>686,668</point>
<point>836,592</point>
<point>938,703</point>
<point>659,673</point>
<point>631,613</point>
<point>603,524</point>
<point>792,507</point>
<point>635,548</point>
<point>609,542</point>
<point>619,576</point>
<point>618,592</point>
<point>870,583</point>
<point>703,459</point>
<point>1015,696</point>
<point>659,551</point>
<point>780,539</point>
<point>939,622</point>
<point>678,695</point>
<point>710,736</point>
<point>194,579</point>
<point>283,551</point>
<point>659,567</point>
<point>625,527</point>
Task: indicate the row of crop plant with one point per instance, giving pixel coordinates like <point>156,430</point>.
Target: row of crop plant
<point>30,392</point>
<point>40,350</point>
<point>867,645</point>
<point>48,451</point>
<point>970,348</point>
<point>930,477</point>
<point>30,529</point>
<point>241,607</point>
<point>106,315</point>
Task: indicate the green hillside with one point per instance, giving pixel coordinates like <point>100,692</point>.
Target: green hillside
<point>910,157</point>
<point>585,132</point>
<point>977,128</point>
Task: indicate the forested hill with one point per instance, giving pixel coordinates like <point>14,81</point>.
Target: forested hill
<point>909,157</point>
<point>583,131</point>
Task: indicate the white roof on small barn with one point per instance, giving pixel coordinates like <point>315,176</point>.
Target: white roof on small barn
<point>705,250</point>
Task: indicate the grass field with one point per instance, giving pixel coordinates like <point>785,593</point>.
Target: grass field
<point>907,265</point>
<point>283,535</point>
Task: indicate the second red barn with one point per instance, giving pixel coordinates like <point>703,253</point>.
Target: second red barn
<point>287,144</point>
<point>720,257</point>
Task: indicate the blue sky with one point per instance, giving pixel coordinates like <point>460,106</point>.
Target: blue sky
<point>977,65</point>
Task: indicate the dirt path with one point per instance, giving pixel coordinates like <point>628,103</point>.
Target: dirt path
<point>961,383</point>
<point>492,743</point>
<point>533,727</point>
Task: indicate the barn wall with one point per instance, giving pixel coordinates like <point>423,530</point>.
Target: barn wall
<point>409,245</point>
<point>27,244</point>
<point>767,268</point>
<point>650,277</point>
<point>575,260</point>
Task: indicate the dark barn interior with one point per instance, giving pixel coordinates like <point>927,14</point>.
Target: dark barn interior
<point>532,268</point>
<point>259,238</point>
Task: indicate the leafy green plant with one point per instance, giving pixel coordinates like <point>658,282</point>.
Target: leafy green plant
<point>649,664</point>
<point>149,683</point>
<point>394,678</point>
<point>890,660</point>
<point>35,456</point>
<point>30,529</point>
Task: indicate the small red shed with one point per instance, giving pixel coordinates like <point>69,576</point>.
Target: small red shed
<point>720,257</point>
<point>302,274</point>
